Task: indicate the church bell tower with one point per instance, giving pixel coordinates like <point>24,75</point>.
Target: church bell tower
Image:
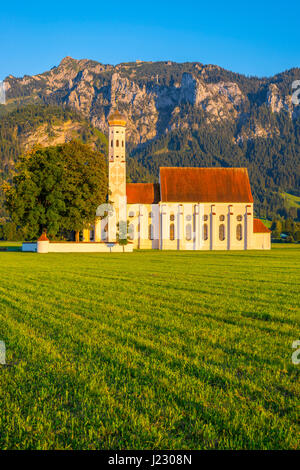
<point>117,170</point>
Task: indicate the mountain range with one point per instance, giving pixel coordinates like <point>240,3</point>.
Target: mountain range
<point>179,114</point>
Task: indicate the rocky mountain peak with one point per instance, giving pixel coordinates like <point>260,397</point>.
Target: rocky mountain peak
<point>67,60</point>
<point>153,95</point>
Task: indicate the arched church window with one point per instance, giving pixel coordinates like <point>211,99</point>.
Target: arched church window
<point>150,232</point>
<point>112,143</point>
<point>172,232</point>
<point>222,232</point>
<point>222,218</point>
<point>117,143</point>
<point>239,232</point>
<point>122,143</point>
<point>239,218</point>
<point>205,232</point>
<point>188,231</point>
<point>131,232</point>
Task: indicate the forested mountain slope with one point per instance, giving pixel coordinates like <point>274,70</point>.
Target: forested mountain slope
<point>178,114</point>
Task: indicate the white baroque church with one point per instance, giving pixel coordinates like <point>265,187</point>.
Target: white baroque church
<point>189,209</point>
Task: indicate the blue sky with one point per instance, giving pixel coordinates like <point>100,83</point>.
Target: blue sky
<point>255,38</point>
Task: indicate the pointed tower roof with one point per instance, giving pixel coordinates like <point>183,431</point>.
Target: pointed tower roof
<point>43,238</point>
<point>116,118</point>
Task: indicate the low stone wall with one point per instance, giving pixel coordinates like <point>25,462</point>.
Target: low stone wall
<point>69,247</point>
<point>87,247</point>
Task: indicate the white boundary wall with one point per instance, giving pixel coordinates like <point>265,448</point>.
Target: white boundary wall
<point>69,247</point>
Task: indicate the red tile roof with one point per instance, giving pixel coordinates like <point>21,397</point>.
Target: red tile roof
<point>142,193</point>
<point>205,185</point>
<point>43,238</point>
<point>259,227</point>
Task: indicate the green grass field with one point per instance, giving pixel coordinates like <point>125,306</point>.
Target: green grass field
<point>150,350</point>
<point>291,200</point>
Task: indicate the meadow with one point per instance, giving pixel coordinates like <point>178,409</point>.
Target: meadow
<point>291,200</point>
<point>150,350</point>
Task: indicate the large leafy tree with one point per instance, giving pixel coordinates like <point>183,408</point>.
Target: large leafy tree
<point>57,188</point>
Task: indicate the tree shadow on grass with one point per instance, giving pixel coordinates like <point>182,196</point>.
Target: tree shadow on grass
<point>9,248</point>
